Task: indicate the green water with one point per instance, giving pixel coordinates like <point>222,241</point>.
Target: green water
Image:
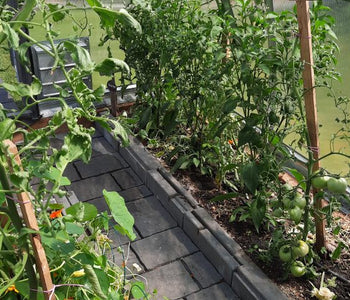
<point>326,110</point>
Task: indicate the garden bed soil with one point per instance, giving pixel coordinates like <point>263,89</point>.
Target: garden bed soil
<point>203,189</point>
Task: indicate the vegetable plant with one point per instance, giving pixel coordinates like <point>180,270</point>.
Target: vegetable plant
<point>75,239</point>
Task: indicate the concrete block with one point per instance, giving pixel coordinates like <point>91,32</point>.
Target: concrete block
<point>177,207</point>
<point>150,216</point>
<point>192,227</point>
<point>163,247</point>
<point>222,236</point>
<point>217,255</point>
<point>251,281</point>
<point>178,187</point>
<point>221,291</point>
<point>202,270</point>
<point>160,187</point>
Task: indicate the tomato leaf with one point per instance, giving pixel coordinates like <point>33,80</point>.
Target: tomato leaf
<point>109,66</point>
<point>250,176</point>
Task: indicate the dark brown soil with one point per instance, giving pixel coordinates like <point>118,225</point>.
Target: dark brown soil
<point>203,189</point>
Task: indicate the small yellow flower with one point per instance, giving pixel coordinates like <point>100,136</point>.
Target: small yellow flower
<point>79,273</point>
<point>12,288</point>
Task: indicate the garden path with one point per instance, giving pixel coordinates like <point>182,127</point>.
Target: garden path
<point>169,260</point>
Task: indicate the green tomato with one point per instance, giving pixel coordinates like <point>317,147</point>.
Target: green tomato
<point>319,182</point>
<point>278,212</point>
<point>337,186</point>
<point>286,202</point>
<point>285,253</point>
<point>287,187</point>
<point>298,269</point>
<point>295,214</point>
<point>299,201</point>
<point>301,250</point>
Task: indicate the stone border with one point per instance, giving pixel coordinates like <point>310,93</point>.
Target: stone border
<point>237,269</point>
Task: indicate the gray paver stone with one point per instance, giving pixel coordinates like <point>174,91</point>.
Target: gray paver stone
<point>171,280</point>
<point>160,187</point>
<point>117,238</point>
<point>202,270</point>
<point>163,247</point>
<point>92,187</point>
<point>134,162</point>
<point>217,254</point>
<point>150,216</point>
<point>130,258</point>
<point>220,291</point>
<point>135,193</point>
<point>100,146</point>
<point>100,204</point>
<point>251,280</point>
<point>98,165</point>
<point>127,178</point>
<point>71,173</point>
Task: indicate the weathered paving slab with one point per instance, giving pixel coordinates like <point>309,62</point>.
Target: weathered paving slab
<point>119,239</point>
<point>220,291</point>
<point>202,270</point>
<point>98,165</point>
<point>92,187</point>
<point>101,146</point>
<point>127,178</point>
<point>172,281</point>
<point>163,247</point>
<point>71,173</point>
<point>135,193</point>
<point>150,216</point>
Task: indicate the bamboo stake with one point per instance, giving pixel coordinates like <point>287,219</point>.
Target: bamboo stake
<point>310,105</point>
<point>31,223</point>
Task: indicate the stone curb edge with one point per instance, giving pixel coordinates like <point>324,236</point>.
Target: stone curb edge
<point>237,269</point>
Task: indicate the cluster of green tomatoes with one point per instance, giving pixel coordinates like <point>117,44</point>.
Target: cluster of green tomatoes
<point>291,253</point>
<point>334,185</point>
<point>293,202</point>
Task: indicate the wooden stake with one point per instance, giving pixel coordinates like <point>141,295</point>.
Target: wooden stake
<point>310,104</point>
<point>31,223</point>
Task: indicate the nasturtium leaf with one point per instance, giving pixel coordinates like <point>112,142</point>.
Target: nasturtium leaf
<point>73,228</point>
<point>109,66</point>
<point>120,213</point>
<point>82,211</point>
<point>138,290</point>
<point>56,206</point>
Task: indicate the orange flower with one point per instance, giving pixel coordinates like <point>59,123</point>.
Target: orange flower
<point>56,214</point>
<point>230,142</point>
<point>12,288</point>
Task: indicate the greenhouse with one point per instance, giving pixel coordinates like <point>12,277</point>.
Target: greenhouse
<point>174,149</point>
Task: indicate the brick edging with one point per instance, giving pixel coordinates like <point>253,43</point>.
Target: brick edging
<point>237,269</point>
